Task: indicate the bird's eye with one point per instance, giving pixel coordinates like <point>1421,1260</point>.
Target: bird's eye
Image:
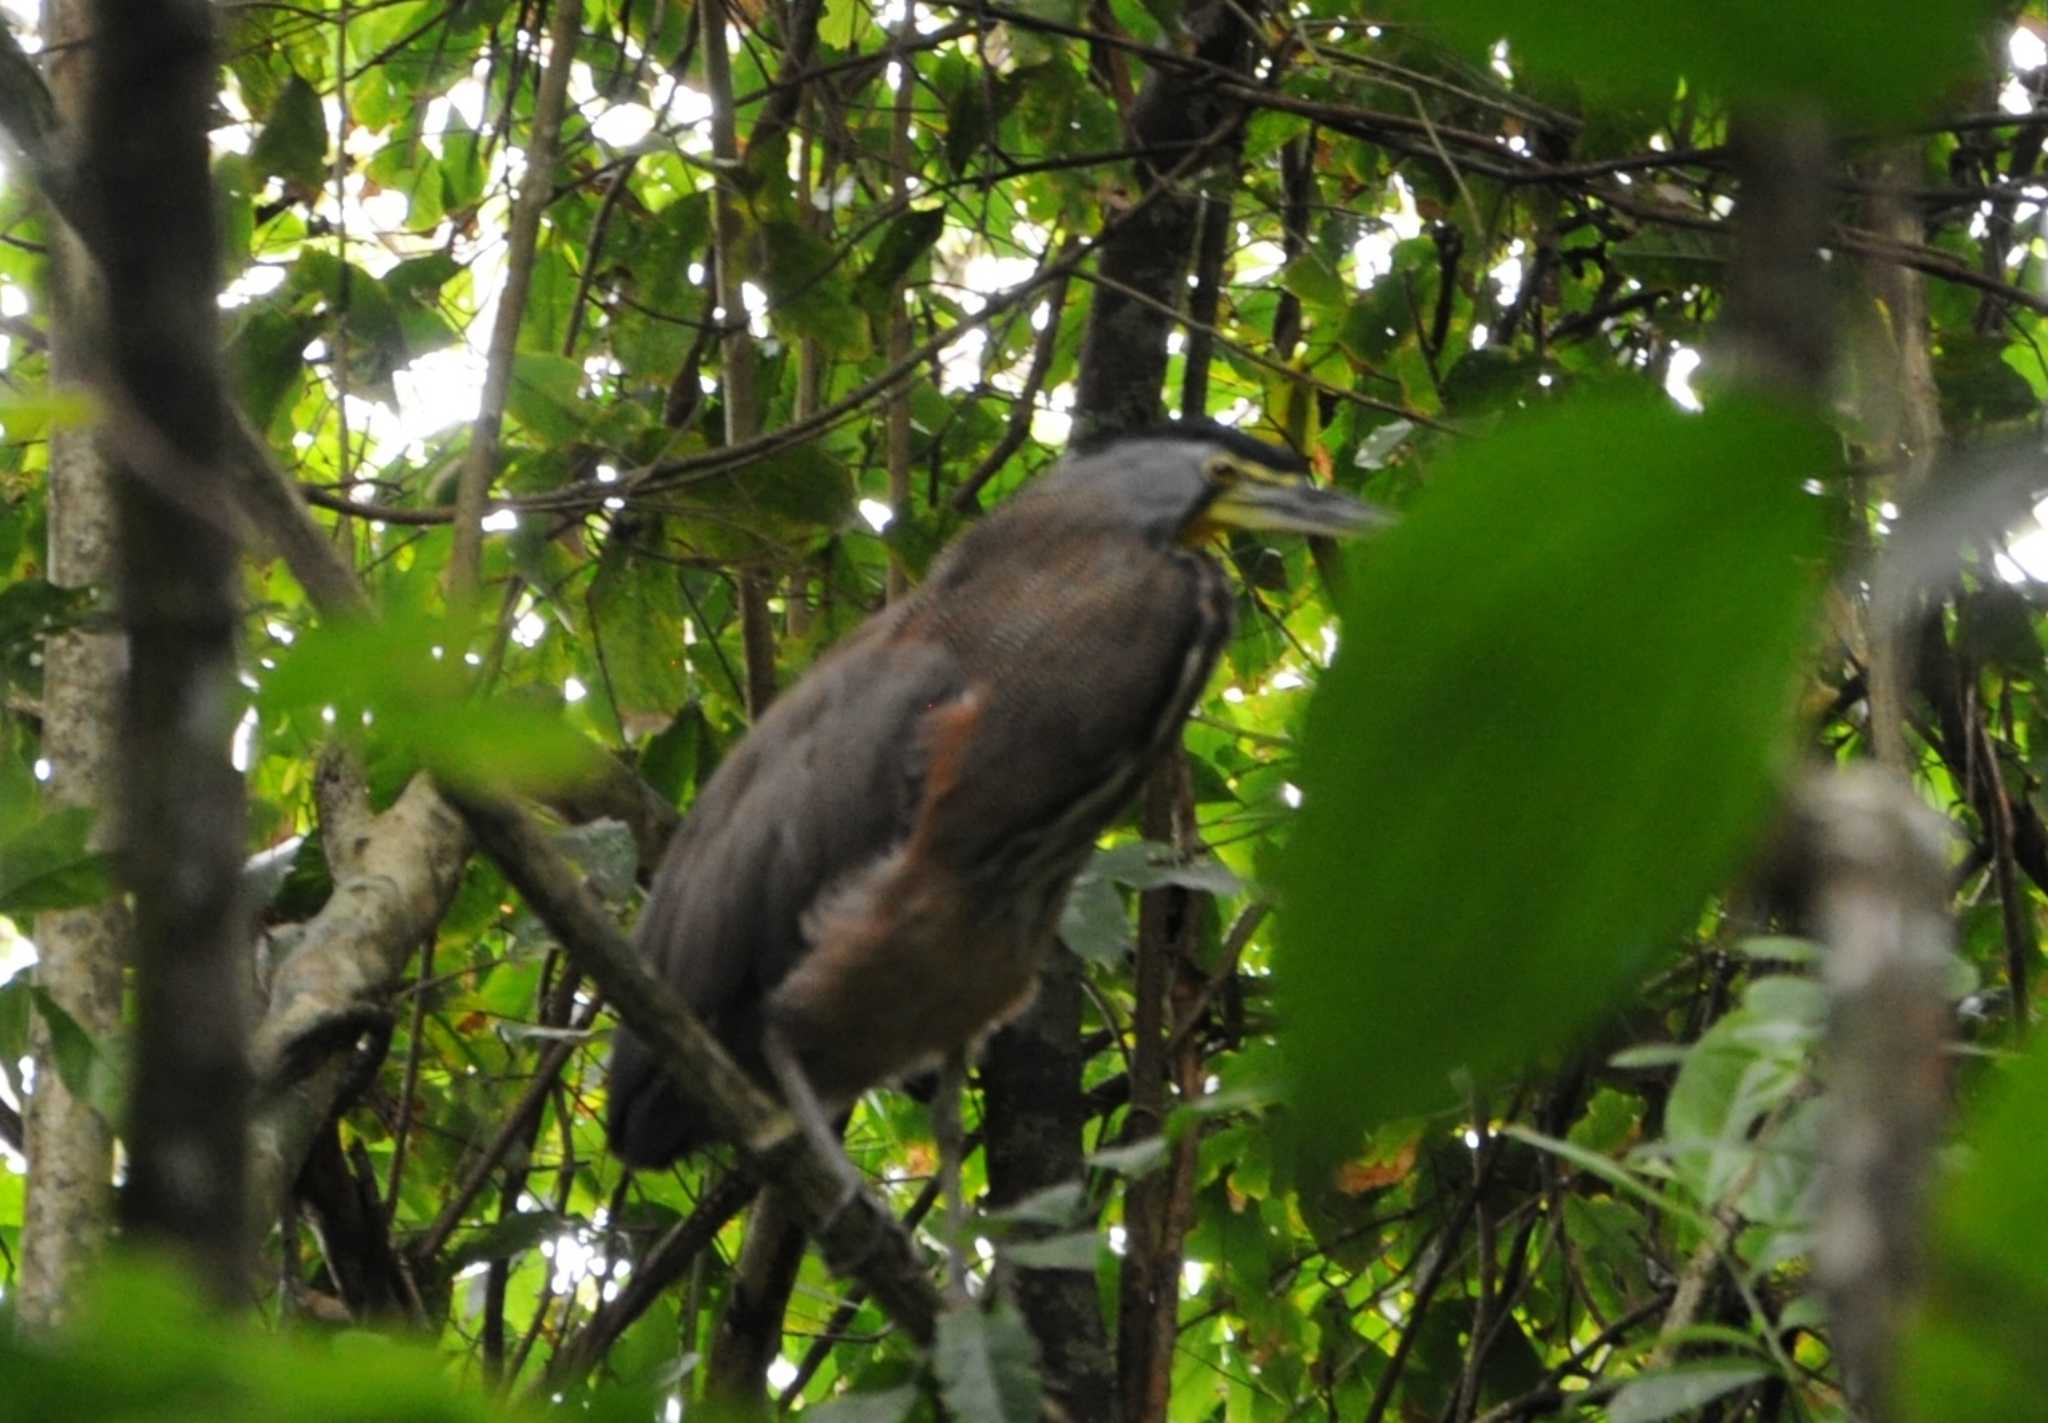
<point>1222,470</point>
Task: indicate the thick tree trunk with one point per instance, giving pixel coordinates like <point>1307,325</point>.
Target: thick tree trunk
<point>1033,1117</point>
<point>145,181</point>
<point>1033,1071</point>
<point>1143,267</point>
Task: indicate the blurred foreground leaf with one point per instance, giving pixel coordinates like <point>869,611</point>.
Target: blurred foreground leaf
<point>1867,60</point>
<point>402,686</point>
<point>985,1366</point>
<point>1550,730</point>
<point>144,1347</point>
<point>1975,1353</point>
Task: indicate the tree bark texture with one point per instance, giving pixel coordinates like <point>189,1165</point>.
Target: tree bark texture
<point>1779,325</point>
<point>1158,1206</point>
<point>1880,901</point>
<point>1032,1073</point>
<point>1144,263</point>
<point>395,874</point>
<point>70,1199</point>
<point>750,1330</point>
<point>1034,1115</point>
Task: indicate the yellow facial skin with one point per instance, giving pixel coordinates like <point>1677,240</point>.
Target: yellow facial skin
<point>1256,497</point>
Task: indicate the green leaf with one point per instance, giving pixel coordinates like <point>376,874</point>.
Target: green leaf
<point>293,144</point>
<point>1053,1205</point>
<point>268,354</point>
<point>806,291</point>
<point>1713,1105</point>
<point>49,864</point>
<point>905,240</point>
<point>508,990</point>
<point>506,1237</point>
<point>1996,626</point>
<point>231,184</point>
<point>636,623</point>
<point>1974,1354</point>
<point>1672,257</point>
<point>887,1405</point>
<point>1094,923</point>
<point>605,851</point>
<point>1611,1118</point>
<point>32,608</point>
<point>1977,385</point>
<point>1312,279</point>
<point>70,1045</point>
<point>1145,864</point>
<point>986,1366</point>
<point>843,23</point>
<point>320,285</point>
<point>1650,1055</point>
<point>1675,1391</point>
<point>545,395</point>
<point>1778,948</point>
<point>15,1005</point>
<point>421,278</point>
<point>400,686</point>
<point>1740,1070</point>
<point>1490,379</point>
<point>789,496</point>
<point>1866,60</point>
<point>1605,756</point>
<point>1612,1239</point>
<point>681,754</point>
<point>1377,322</point>
<point>463,169</point>
<point>91,1069</point>
<point>1378,449</point>
<point>1080,1250</point>
<point>31,416</point>
<point>143,1344</point>
<point>970,122</point>
<point>1141,1158</point>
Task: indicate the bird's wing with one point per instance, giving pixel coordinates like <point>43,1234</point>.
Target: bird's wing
<point>827,781</point>
<point>1091,651</point>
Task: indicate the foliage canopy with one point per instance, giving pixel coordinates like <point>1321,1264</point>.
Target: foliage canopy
<point>1439,1051</point>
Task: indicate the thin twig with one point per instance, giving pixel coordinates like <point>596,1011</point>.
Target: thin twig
<point>521,242</point>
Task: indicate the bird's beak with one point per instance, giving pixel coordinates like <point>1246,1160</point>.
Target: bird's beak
<point>1290,506</point>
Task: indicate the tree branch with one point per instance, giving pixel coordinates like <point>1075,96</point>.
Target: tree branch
<point>858,1237</point>
<point>394,876</point>
<point>521,239</point>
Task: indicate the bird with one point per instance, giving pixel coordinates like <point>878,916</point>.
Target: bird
<point>867,884</point>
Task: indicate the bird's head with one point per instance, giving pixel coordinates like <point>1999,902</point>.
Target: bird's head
<point>1181,483</point>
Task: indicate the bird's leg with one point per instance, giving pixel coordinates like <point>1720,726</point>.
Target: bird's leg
<point>809,1112</point>
<point>952,1140</point>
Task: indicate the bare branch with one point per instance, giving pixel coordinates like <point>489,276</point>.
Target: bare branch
<point>521,239</point>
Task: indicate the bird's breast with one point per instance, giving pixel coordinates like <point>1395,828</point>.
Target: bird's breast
<point>905,965</point>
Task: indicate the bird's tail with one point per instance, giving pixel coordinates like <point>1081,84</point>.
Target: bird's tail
<point>646,1119</point>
